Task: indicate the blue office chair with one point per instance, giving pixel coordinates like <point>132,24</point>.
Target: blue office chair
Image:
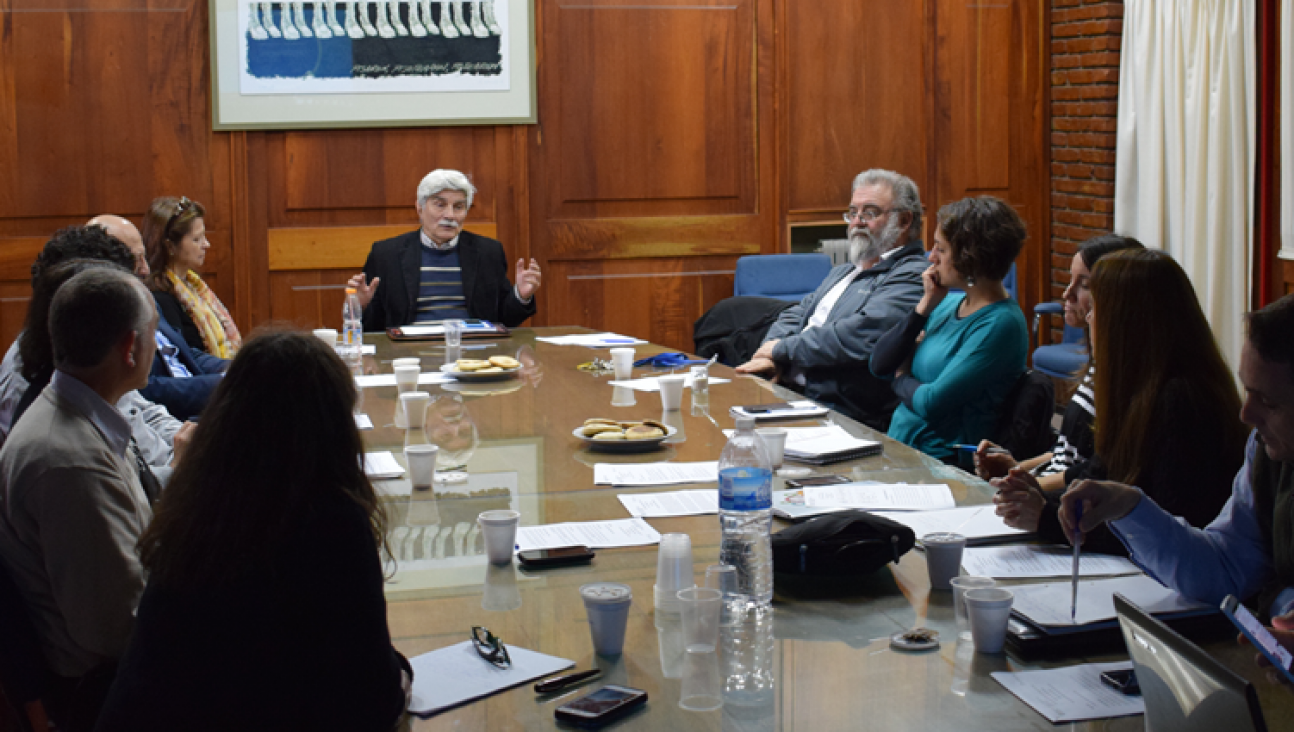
<point>1010,284</point>
<point>782,276</point>
<point>1064,360</point>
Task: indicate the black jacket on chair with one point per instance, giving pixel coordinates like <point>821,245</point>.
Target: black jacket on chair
<point>486,287</point>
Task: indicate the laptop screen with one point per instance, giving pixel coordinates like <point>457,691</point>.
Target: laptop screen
<point>1185,689</point>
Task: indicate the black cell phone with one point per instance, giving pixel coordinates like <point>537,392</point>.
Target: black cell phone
<point>605,705</point>
<point>1125,681</point>
<point>540,558</point>
<point>766,408</point>
<point>816,480</point>
<point>1260,637</point>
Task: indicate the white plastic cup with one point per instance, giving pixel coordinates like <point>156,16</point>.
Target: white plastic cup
<point>397,363</point>
<point>607,605</point>
<point>701,607</point>
<point>673,569</point>
<point>671,392</point>
<point>989,609</point>
<point>500,531</point>
<point>414,405</point>
<point>622,361</point>
<point>774,442</point>
<point>422,465</point>
<point>327,335</point>
<point>960,585</point>
<point>453,333</point>
<point>943,557</point>
<point>406,378</point>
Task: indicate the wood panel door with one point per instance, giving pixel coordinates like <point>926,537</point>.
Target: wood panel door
<point>650,146</point>
<point>990,119</point>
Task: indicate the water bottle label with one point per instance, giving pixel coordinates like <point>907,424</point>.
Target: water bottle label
<point>745,489</point>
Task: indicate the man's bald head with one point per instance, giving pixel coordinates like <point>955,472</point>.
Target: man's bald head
<point>121,229</point>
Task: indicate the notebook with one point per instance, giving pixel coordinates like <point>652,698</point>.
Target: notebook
<point>780,411</point>
<point>826,445</point>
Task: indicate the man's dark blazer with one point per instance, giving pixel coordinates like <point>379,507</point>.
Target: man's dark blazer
<point>486,287</point>
<point>183,397</point>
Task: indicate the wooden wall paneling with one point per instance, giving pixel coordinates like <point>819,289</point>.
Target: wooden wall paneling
<point>308,299</point>
<point>656,299</point>
<point>855,94</point>
<point>989,116</point>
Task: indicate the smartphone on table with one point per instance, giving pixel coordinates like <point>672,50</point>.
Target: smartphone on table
<point>1124,681</point>
<point>816,480</point>
<point>557,557</point>
<point>603,706</point>
<point>1263,640</point>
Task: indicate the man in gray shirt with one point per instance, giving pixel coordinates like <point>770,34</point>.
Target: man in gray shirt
<point>821,346</point>
<point>71,504</point>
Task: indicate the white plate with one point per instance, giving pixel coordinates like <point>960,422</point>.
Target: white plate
<point>452,370</point>
<point>623,446</point>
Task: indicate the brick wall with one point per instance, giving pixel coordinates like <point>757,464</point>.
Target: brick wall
<point>1085,41</point>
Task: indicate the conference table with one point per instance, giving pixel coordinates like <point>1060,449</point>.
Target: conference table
<point>828,665</point>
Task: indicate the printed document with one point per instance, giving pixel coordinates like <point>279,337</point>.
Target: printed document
<point>1048,604</point>
<point>368,381</point>
<point>451,676</point>
<point>675,503</point>
<point>593,534</point>
<point>634,474</point>
<point>591,340</point>
<point>1073,693</point>
<point>1028,560</point>
<point>382,465</point>
<point>872,495</point>
<point>977,523</point>
<point>651,383</point>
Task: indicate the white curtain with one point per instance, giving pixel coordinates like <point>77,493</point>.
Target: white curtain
<point>1285,145</point>
<point>1184,180</point>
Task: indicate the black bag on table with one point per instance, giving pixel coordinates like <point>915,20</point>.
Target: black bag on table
<point>840,544</point>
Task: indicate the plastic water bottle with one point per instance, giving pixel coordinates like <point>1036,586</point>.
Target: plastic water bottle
<point>352,338</point>
<point>746,514</point>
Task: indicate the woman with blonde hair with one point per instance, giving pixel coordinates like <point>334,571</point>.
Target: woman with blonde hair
<point>175,236</point>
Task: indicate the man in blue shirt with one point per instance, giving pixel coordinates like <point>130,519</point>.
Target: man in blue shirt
<point>1248,550</point>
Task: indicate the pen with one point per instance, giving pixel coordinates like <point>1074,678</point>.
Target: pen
<point>1078,540</point>
<point>563,682</point>
<point>618,340</point>
<point>990,451</point>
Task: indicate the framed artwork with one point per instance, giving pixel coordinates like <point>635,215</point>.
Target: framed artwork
<point>371,63</point>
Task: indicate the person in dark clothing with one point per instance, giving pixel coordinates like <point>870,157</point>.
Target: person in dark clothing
<point>265,586</point>
<point>1166,404</point>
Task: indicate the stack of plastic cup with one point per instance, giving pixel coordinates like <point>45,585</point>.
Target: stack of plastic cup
<point>960,585</point>
<point>673,570</point>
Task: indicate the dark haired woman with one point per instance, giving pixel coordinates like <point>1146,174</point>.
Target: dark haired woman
<point>264,606</point>
<point>1167,409</point>
<point>967,350</point>
<point>1075,442</point>
<point>175,236</point>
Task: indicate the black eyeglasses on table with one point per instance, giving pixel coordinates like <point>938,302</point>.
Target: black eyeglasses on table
<point>490,647</point>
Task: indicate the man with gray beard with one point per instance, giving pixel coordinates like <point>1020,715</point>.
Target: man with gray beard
<point>820,347</point>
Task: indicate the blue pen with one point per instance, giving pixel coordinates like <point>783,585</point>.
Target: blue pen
<point>618,340</point>
<point>990,451</point>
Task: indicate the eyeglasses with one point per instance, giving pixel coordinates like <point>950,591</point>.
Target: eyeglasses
<point>867,215</point>
<point>490,647</point>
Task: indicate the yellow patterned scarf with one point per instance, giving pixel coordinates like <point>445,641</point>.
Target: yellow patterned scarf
<point>219,334</point>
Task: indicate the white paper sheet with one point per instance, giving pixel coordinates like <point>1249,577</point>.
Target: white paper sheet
<point>872,495</point>
<point>365,350</point>
<point>434,330</point>
<point>652,383</point>
<point>629,474</point>
<point>368,381</point>
<point>593,534</point>
<point>450,676</point>
<point>1073,693</point>
<point>362,422</point>
<point>382,465</point>
<point>1048,604</point>
<point>977,523</point>
<point>592,340</point>
<point>1028,560</point>
<point>674,503</point>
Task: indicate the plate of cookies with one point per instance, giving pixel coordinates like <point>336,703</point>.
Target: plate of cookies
<point>495,368</point>
<point>610,435</point>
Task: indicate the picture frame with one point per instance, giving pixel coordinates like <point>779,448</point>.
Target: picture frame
<point>375,63</point>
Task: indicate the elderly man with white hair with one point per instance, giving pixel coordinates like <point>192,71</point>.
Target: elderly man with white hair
<point>441,272</point>
<point>821,346</point>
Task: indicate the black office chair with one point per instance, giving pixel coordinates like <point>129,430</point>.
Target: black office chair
<point>24,675</point>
